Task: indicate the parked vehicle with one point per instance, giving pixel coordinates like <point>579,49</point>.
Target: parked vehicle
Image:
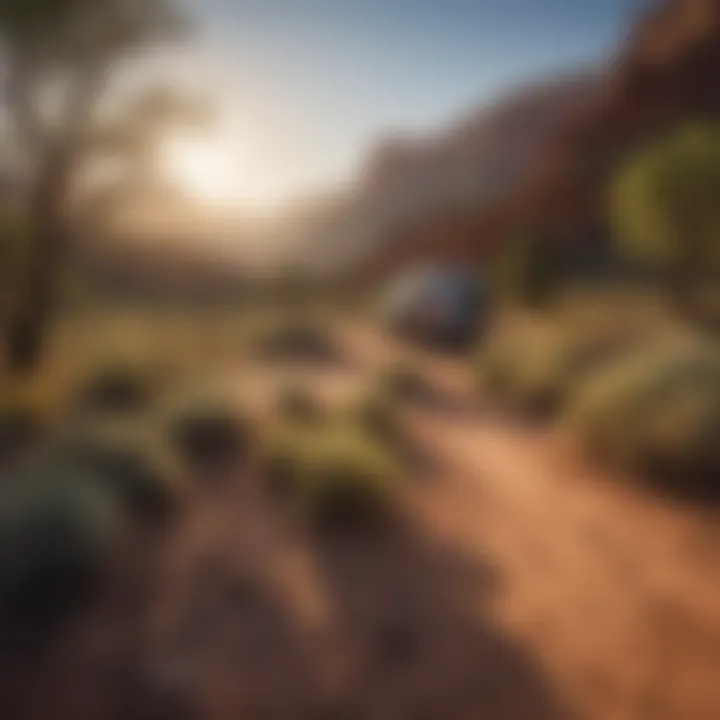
<point>439,305</point>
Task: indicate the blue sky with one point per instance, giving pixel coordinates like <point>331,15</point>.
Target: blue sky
<point>310,84</point>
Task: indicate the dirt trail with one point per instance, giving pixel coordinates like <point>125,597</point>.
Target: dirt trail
<point>519,586</point>
<point>616,591</point>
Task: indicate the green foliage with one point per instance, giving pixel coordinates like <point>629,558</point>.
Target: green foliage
<point>127,459</point>
<point>665,204</point>
<point>401,382</point>
<point>378,415</point>
<point>536,368</point>
<point>208,429</point>
<point>657,412</point>
<point>118,386</point>
<point>298,338</point>
<point>527,271</point>
<point>338,475</point>
<point>58,530</point>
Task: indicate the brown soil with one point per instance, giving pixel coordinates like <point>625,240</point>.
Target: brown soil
<point>518,584</point>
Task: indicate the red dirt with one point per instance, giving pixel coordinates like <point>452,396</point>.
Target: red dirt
<point>518,585</point>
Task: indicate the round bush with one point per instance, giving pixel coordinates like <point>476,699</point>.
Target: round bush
<point>536,370</point>
<point>656,412</point>
<point>401,382</point>
<point>297,403</point>
<point>117,386</point>
<point>208,431</point>
<point>337,476</point>
<point>58,531</point>
<point>129,461</point>
<point>298,339</point>
<point>379,417</point>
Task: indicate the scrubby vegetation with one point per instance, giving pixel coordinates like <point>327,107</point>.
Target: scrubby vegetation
<point>379,416</point>
<point>534,369</point>
<point>527,271</point>
<point>658,413</point>
<point>337,476</point>
<point>130,460</point>
<point>666,212</point>
<point>209,429</point>
<point>119,386</point>
<point>58,530</point>
<point>401,382</point>
<point>343,468</point>
<point>298,338</point>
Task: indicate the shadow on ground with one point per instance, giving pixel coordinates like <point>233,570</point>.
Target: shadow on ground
<point>194,627</point>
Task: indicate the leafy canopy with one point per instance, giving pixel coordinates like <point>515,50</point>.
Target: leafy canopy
<point>665,203</point>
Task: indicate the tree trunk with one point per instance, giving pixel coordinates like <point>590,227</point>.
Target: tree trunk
<point>27,329</point>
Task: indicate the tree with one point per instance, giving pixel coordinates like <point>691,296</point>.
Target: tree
<point>527,270</point>
<point>60,59</point>
<point>665,205</point>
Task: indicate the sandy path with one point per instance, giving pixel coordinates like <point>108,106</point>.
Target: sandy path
<point>522,586</point>
<point>616,591</point>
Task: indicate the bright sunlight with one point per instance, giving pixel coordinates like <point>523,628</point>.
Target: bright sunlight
<point>206,167</point>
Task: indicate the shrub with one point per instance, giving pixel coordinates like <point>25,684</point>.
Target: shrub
<point>298,338</point>
<point>128,460</point>
<point>117,386</point>
<point>528,271</point>
<point>403,383</point>
<point>337,476</point>
<point>656,412</point>
<point>297,403</point>
<point>209,429</point>
<point>58,530</point>
<point>536,369</point>
<point>379,417</point>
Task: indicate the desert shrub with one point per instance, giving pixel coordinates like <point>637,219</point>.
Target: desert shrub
<point>528,271</point>
<point>21,422</point>
<point>297,403</point>
<point>401,382</point>
<point>337,476</point>
<point>117,386</point>
<point>298,338</point>
<point>58,530</point>
<point>656,412</point>
<point>535,369</point>
<point>209,429</point>
<point>378,416</point>
<point>127,459</point>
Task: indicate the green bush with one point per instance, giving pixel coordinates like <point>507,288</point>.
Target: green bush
<point>127,459</point>
<point>379,417</point>
<point>336,476</point>
<point>58,531</point>
<point>208,429</point>
<point>118,386</point>
<point>298,338</point>
<point>536,369</point>
<point>656,412</point>
<point>297,403</point>
<point>401,382</point>
<point>528,271</point>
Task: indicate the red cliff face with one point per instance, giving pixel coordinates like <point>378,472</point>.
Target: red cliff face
<point>668,72</point>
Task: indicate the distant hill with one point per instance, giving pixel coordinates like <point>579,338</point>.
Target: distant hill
<point>539,158</point>
<point>466,166</point>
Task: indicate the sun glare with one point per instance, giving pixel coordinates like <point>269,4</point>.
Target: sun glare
<point>205,167</point>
